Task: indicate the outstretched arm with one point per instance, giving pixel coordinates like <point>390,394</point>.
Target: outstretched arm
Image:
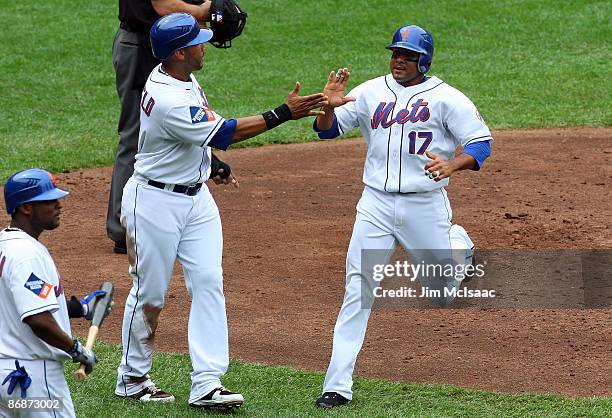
<point>295,107</point>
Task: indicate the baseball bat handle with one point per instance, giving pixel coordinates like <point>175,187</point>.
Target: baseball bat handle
<point>80,374</point>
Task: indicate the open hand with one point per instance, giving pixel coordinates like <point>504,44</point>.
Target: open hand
<point>302,106</point>
<point>336,84</point>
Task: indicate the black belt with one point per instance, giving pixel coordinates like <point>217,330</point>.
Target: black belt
<point>178,188</point>
<point>133,28</point>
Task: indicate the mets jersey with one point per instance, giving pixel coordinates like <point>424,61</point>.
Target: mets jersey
<point>29,284</point>
<point>400,123</point>
<point>176,125</point>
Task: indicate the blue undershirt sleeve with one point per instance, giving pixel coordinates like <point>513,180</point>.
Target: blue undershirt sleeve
<point>480,150</point>
<point>330,133</point>
<point>223,138</point>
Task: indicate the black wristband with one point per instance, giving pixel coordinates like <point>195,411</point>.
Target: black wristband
<point>73,351</point>
<point>277,116</point>
<point>75,308</point>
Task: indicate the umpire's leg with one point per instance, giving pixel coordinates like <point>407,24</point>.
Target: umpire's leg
<point>133,63</point>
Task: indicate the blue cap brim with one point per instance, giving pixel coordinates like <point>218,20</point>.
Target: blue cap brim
<point>205,35</point>
<point>409,47</point>
<point>53,194</point>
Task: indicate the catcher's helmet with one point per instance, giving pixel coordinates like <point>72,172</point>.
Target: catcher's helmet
<point>175,31</point>
<point>32,185</point>
<point>417,39</point>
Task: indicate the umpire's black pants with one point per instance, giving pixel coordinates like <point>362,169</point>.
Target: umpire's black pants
<point>133,61</point>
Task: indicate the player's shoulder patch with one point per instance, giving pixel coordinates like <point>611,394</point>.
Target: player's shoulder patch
<point>200,114</point>
<point>38,286</point>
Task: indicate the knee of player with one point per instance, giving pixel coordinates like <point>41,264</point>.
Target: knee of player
<point>207,277</point>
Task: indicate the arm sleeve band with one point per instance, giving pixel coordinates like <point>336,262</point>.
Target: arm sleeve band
<point>330,133</point>
<point>223,138</point>
<point>480,150</point>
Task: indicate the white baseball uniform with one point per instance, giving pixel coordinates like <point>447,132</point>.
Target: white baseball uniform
<point>168,212</point>
<point>399,204</point>
<point>29,285</point>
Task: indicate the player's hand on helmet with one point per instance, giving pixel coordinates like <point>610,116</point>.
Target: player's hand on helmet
<point>302,106</point>
<point>438,168</point>
<point>83,355</point>
<point>335,87</point>
<point>89,303</point>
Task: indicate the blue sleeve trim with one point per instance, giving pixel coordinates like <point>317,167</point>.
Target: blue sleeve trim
<point>223,138</point>
<point>480,150</point>
<point>330,133</point>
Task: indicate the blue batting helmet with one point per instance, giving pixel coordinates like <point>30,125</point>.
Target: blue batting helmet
<point>175,31</point>
<point>32,185</point>
<point>417,39</point>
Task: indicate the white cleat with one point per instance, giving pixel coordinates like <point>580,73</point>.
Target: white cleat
<point>219,398</point>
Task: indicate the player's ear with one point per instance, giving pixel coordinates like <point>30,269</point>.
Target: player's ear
<point>25,209</point>
<point>180,54</point>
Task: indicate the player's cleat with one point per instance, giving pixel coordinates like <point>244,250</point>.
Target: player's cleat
<point>470,274</point>
<point>120,248</point>
<point>219,398</point>
<point>331,400</point>
<point>150,394</point>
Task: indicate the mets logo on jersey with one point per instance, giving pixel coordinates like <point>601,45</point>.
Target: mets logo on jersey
<point>38,286</point>
<point>419,112</point>
<point>59,289</point>
<point>2,261</point>
<point>203,96</point>
<point>201,114</point>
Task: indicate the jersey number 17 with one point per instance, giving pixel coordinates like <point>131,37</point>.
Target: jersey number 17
<point>427,136</point>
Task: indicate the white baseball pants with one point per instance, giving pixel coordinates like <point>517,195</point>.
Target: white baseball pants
<point>48,382</point>
<point>415,221</point>
<point>162,225</point>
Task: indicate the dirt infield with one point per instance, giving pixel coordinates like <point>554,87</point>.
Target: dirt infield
<point>286,232</point>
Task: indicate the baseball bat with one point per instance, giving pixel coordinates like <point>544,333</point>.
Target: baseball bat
<point>96,322</point>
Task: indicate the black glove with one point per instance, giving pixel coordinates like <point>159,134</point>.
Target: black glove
<point>227,21</point>
<point>83,355</point>
<point>216,164</point>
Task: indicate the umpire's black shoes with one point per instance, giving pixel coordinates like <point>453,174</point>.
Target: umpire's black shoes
<point>219,398</point>
<point>331,400</point>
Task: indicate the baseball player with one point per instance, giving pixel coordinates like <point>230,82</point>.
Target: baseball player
<point>133,61</point>
<point>412,124</point>
<point>169,213</point>
<point>35,337</point>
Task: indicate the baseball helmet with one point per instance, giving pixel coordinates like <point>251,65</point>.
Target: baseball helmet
<point>415,38</point>
<point>175,31</point>
<point>32,185</point>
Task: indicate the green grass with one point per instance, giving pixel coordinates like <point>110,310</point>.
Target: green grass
<point>525,63</point>
<point>280,391</point>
